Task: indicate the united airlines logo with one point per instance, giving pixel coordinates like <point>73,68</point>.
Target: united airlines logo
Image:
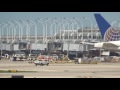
<point>111,35</point>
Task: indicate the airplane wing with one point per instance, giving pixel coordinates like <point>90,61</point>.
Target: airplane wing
<point>109,45</point>
<point>86,43</point>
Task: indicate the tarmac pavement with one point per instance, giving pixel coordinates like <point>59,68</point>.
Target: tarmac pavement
<point>67,70</point>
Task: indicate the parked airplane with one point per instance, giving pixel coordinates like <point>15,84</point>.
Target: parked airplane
<point>111,37</point>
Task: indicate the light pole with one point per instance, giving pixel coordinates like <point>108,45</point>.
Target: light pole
<point>63,35</point>
<point>59,23</point>
<point>1,44</point>
<point>35,29</point>
<point>71,35</point>
<point>3,28</point>
<point>0,30</point>
<point>29,26</point>
<point>7,30</point>
<point>46,31</point>
<point>77,25</point>
<point>72,31</point>
<point>97,36</point>
<point>50,21</point>
<point>114,22</point>
<point>59,30</point>
<point>21,29</point>
<point>1,38</point>
<point>72,20</point>
<point>70,28</point>
<point>4,24</point>
<point>80,21</point>
<point>12,25</point>
<point>27,29</point>
<point>15,28</point>
<point>56,30</point>
<point>51,29</point>
<point>81,26</point>
<point>9,34</point>
<point>66,22</point>
<point>91,26</point>
<point>20,26</point>
<point>23,24</point>
<point>96,26</point>
<point>43,31</point>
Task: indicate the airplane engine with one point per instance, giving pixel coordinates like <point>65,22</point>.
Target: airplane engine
<point>98,45</point>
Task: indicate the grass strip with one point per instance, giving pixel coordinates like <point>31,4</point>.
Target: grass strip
<point>13,71</point>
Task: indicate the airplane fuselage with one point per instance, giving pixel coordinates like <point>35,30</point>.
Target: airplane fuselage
<point>111,45</point>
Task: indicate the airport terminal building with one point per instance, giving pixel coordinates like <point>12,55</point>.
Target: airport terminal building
<point>62,40</point>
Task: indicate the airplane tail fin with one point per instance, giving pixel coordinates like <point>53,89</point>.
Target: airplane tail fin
<point>107,32</point>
